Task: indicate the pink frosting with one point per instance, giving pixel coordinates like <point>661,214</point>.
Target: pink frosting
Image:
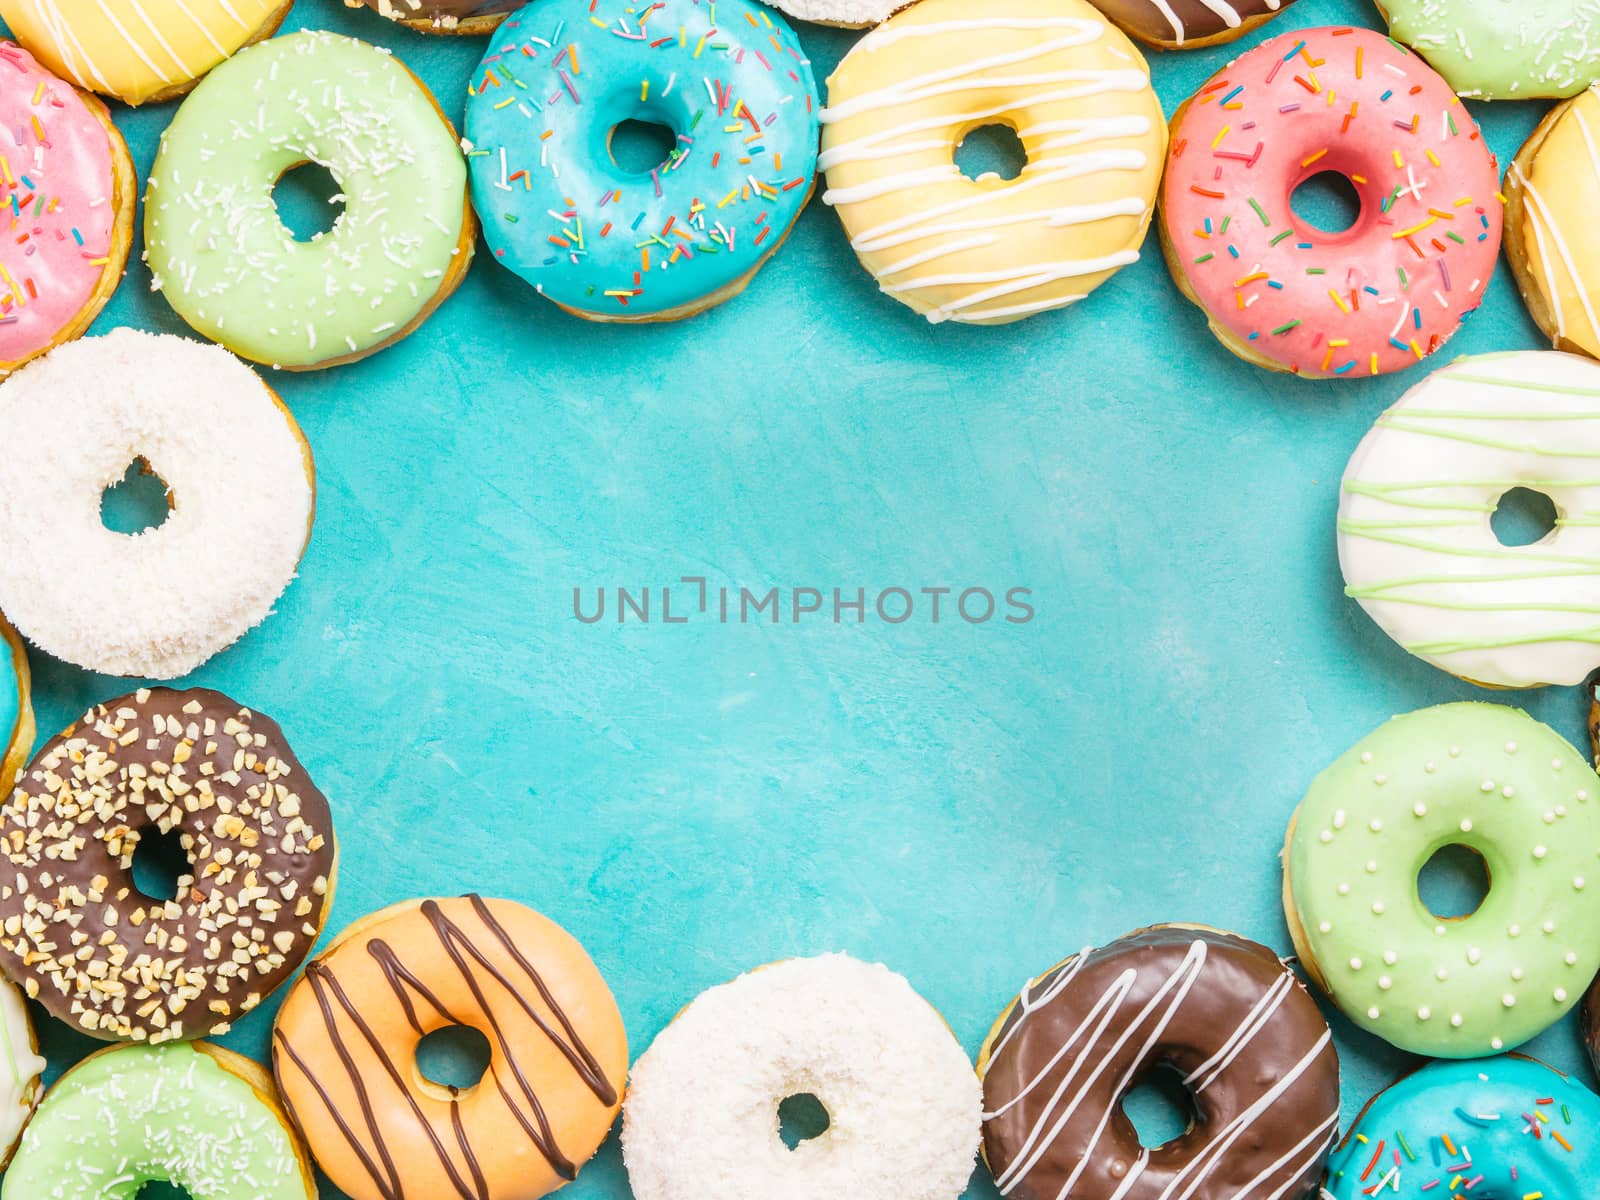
<point>56,202</point>
<point>1392,288</point>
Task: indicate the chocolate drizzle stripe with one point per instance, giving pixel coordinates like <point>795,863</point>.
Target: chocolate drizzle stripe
<point>388,1189</point>
<point>577,1052</point>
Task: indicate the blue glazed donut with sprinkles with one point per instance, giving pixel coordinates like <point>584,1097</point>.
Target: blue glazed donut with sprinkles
<point>725,80</point>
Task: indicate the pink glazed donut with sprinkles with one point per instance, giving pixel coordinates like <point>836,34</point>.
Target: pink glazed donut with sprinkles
<point>1285,295</point>
<point>67,195</point>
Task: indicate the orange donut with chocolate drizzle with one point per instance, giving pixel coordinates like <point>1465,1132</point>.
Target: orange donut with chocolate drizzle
<point>344,1053</point>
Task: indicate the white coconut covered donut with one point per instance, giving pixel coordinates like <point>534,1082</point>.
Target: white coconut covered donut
<point>1415,539</point>
<point>852,14</point>
<point>240,487</point>
<point>903,1102</point>
<point>20,1068</point>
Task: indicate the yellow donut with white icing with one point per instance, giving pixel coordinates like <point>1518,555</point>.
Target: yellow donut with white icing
<point>20,1069</point>
<point>139,50</point>
<point>988,251</point>
<point>1552,196</point>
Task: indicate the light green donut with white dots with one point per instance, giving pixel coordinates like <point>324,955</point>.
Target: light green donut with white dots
<point>1482,776</point>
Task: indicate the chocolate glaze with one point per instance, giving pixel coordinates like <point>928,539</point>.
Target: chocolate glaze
<point>1248,1040</point>
<point>370,1143</point>
<point>99,955</point>
<point>442,14</point>
<point>1196,19</point>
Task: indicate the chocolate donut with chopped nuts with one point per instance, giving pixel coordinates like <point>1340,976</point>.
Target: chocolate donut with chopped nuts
<point>80,937</point>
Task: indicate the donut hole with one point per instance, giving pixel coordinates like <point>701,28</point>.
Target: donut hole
<point>1327,201</point>
<point>1453,883</point>
<point>162,1189</point>
<point>639,146</point>
<point>162,868</point>
<point>1522,517</point>
<point>309,201</point>
<point>455,1057</point>
<point>137,502</point>
<point>1160,1107</point>
<point>991,152</point>
<point>802,1118</point>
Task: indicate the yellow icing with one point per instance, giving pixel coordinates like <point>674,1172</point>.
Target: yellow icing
<point>1560,197</point>
<point>135,49</point>
<point>989,250</point>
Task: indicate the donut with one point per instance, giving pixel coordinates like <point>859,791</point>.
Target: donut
<point>903,1105</point>
<point>1493,780</point>
<point>344,1053</point>
<point>1277,291</point>
<point>842,14</point>
<point>990,251</point>
<point>240,485</point>
<point>20,1069</point>
<point>69,184</point>
<point>139,51</point>
<point>16,707</point>
<point>1552,193</point>
<point>75,931</point>
<point>225,261</point>
<point>1499,49</point>
<point>193,1115</point>
<point>1189,24</point>
<point>468,18</point>
<point>1507,1126</point>
<point>1415,540</point>
<point>729,81</point>
<point>1249,1042</point>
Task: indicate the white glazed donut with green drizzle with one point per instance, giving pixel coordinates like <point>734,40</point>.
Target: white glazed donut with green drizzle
<point>19,1070</point>
<point>1415,539</point>
<point>190,1114</point>
<point>1503,49</point>
<point>223,258</point>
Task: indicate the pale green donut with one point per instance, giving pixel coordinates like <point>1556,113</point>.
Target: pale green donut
<point>125,1117</point>
<point>1503,49</point>
<point>217,249</point>
<point>1477,775</point>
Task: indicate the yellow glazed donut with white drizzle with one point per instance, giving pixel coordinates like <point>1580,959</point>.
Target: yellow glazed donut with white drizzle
<point>988,251</point>
<point>1552,196</point>
<point>139,50</point>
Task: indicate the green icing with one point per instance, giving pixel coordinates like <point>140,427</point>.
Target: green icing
<point>129,1116</point>
<point>1485,777</point>
<point>216,246</point>
<point>1505,49</point>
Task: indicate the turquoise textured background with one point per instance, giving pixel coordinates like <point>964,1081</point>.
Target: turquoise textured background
<point>967,804</point>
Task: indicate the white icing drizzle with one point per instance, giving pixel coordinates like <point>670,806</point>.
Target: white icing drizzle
<point>1153,1019</point>
<point>22,1065</point>
<point>1415,538</point>
<point>951,97</point>
<point>1231,17</point>
<point>1547,230</point>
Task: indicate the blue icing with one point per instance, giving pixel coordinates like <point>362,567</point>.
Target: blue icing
<point>1487,1108</point>
<point>10,692</point>
<point>729,78</point>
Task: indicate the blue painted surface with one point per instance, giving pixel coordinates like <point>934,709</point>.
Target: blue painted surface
<point>965,803</point>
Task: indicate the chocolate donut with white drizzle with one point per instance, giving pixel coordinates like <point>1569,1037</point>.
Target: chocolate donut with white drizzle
<point>1189,24</point>
<point>1243,1033</point>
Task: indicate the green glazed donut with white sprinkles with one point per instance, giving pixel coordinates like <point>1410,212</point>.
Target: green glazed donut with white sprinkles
<point>218,248</point>
<point>1480,776</point>
<point>189,1114</point>
<point>1503,49</point>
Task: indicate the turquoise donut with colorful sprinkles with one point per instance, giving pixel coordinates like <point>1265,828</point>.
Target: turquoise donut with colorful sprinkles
<point>1280,292</point>
<point>733,89</point>
<point>1507,1128</point>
